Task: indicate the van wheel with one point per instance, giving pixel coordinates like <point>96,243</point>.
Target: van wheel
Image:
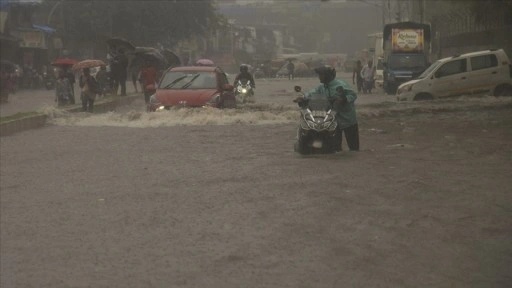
<point>423,96</point>
<point>503,90</point>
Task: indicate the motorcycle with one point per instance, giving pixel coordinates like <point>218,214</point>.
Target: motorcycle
<point>49,81</point>
<point>243,91</point>
<point>317,132</point>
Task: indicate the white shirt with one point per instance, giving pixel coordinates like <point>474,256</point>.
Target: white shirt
<point>367,73</point>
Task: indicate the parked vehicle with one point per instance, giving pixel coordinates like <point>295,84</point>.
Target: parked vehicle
<point>379,72</point>
<point>193,86</point>
<point>316,133</point>
<point>375,42</point>
<point>406,48</point>
<point>244,92</point>
<point>49,80</point>
<point>482,72</point>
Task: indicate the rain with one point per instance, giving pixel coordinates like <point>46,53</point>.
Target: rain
<point>130,155</point>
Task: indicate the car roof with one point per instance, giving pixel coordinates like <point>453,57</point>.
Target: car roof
<point>196,68</point>
<point>471,54</point>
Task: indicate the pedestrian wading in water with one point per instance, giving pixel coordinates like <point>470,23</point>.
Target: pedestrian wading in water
<point>89,88</point>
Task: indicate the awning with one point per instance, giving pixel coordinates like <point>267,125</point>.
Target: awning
<point>45,29</point>
<point>5,4</point>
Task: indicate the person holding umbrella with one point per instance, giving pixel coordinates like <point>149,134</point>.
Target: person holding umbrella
<point>148,75</point>
<point>89,88</point>
<point>71,80</point>
<point>62,89</point>
<point>119,69</point>
<point>65,64</point>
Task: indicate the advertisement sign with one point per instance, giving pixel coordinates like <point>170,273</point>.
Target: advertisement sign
<point>32,39</point>
<point>407,40</point>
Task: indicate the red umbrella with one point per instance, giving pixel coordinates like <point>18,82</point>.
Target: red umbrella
<point>64,62</point>
<point>88,64</point>
<point>204,62</point>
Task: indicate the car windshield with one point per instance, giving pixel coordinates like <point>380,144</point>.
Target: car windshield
<point>429,70</point>
<point>188,80</point>
<point>402,61</point>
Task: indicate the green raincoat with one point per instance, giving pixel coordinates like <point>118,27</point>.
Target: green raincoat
<point>346,113</point>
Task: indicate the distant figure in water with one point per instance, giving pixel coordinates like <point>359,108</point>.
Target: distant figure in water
<point>63,92</point>
<point>89,88</point>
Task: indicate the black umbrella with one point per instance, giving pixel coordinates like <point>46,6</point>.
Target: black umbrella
<point>155,58</point>
<point>116,43</point>
<point>142,50</point>
<point>171,58</point>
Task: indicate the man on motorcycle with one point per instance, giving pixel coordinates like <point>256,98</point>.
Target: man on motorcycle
<point>245,75</point>
<point>344,104</point>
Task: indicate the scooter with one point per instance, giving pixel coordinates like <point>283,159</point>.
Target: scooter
<point>49,81</point>
<point>317,132</point>
<point>243,91</point>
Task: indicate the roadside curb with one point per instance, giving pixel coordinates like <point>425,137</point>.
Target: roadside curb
<point>39,120</point>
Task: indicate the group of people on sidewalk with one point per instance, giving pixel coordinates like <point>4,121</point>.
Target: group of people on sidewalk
<point>103,83</point>
<point>364,77</point>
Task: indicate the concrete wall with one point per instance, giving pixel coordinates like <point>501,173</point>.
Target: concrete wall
<point>37,121</point>
<point>475,41</point>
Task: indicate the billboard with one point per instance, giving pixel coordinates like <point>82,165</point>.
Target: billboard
<point>32,39</point>
<point>407,40</point>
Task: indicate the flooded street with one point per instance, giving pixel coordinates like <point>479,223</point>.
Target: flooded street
<point>218,198</point>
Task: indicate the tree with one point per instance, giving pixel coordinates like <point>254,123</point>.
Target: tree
<point>143,22</point>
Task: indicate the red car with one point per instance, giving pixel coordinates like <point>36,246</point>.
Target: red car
<point>194,86</point>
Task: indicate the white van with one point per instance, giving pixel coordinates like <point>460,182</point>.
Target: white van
<point>483,72</point>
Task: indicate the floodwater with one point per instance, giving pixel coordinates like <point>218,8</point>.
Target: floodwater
<point>218,198</point>
<point>135,116</point>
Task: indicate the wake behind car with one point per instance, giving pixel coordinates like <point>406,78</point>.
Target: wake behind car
<point>193,86</point>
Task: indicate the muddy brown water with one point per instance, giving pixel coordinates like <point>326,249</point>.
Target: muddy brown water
<point>209,198</point>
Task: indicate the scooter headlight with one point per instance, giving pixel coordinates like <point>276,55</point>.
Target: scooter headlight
<point>244,90</point>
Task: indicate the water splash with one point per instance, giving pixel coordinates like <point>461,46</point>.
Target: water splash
<point>263,113</point>
<point>249,114</point>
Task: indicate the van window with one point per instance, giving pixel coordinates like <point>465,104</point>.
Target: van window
<point>483,62</point>
<point>452,67</point>
<point>430,69</point>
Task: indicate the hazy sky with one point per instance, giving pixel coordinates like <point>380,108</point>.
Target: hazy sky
<point>347,22</point>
